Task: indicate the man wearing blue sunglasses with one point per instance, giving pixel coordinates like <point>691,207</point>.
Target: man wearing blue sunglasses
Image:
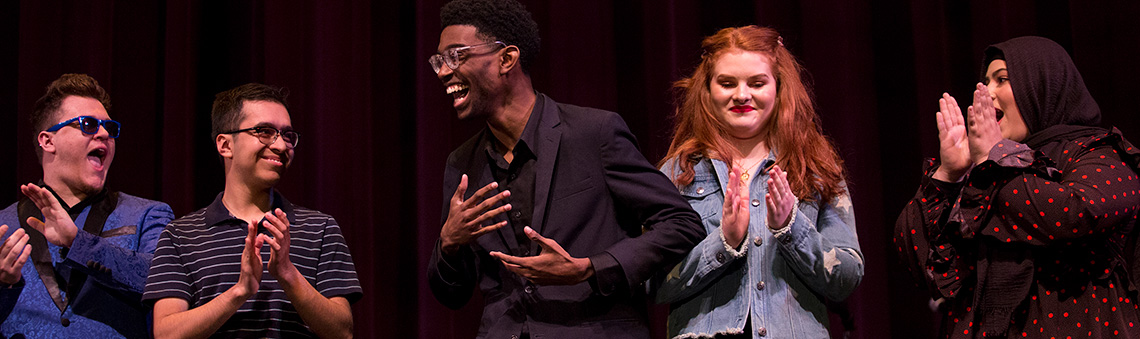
<point>75,256</point>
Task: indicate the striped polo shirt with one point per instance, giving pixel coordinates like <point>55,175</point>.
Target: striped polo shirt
<point>199,257</point>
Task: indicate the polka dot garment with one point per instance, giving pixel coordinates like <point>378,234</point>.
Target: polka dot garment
<point>1066,212</point>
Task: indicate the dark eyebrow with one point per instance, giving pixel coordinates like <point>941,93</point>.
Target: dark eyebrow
<point>995,72</point>
<point>266,124</point>
<point>455,45</point>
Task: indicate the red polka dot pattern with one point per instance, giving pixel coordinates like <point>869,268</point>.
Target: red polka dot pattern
<point>1079,288</point>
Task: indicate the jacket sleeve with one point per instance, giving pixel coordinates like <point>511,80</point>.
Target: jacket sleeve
<point>704,264</point>
<point>452,278</point>
<point>823,248</point>
<point>669,226</point>
<point>927,247</point>
<point>709,259</point>
<point>124,269</point>
<point>1038,203</point>
<point>9,295</point>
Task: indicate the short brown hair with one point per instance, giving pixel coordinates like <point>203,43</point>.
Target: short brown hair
<point>226,114</point>
<point>43,115</point>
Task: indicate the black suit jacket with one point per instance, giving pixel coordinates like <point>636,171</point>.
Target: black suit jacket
<point>597,196</point>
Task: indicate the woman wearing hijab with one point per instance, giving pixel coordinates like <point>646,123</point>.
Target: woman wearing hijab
<point>1024,227</point>
<point>748,155</point>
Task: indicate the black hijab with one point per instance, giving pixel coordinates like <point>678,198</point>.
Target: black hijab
<point>1055,105</point>
<point>1048,89</point>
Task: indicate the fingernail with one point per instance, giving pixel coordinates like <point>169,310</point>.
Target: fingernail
<point>528,229</point>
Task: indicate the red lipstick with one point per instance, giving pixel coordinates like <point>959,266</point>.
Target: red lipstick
<point>742,109</point>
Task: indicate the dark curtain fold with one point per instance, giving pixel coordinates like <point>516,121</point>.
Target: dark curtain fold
<point>376,126</point>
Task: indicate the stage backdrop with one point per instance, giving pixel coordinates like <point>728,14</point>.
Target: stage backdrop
<point>376,125</point>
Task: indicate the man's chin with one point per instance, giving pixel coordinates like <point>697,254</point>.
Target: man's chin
<point>269,178</point>
<point>92,187</point>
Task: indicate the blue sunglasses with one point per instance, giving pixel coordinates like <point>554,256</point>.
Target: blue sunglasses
<point>90,125</point>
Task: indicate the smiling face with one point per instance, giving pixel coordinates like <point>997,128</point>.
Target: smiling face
<point>1012,125</point>
<point>473,84</point>
<point>250,161</point>
<point>74,159</point>
<point>743,92</point>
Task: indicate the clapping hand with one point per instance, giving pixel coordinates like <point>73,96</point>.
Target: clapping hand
<point>985,132</point>
<point>780,198</point>
<point>13,254</point>
<point>953,144</point>
<point>57,225</point>
<point>734,224</point>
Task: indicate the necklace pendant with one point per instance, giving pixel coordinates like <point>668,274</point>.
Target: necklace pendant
<point>744,177</point>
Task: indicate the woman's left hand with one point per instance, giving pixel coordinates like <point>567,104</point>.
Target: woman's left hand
<point>780,198</point>
<point>984,131</point>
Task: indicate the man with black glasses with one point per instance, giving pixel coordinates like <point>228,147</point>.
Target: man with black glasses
<point>551,210</point>
<point>208,274</point>
<point>74,257</point>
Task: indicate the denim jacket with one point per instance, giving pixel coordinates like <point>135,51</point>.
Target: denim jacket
<point>780,283</point>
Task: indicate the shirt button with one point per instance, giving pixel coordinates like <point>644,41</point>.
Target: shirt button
<point>758,241</point>
<point>529,289</point>
<point>760,286</point>
<point>514,336</point>
<point>720,257</point>
<point>755,202</point>
<point>762,331</point>
<point>513,176</point>
<point>526,252</point>
<point>700,190</point>
<point>517,214</point>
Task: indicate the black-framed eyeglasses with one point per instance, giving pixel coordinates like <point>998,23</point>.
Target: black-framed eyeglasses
<point>268,135</point>
<point>453,57</point>
<point>89,125</point>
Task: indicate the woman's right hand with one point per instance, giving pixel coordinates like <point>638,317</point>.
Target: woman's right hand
<point>953,144</point>
<point>734,223</point>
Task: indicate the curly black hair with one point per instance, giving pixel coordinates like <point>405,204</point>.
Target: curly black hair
<point>503,20</point>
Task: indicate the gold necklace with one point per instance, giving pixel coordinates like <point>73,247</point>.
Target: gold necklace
<point>747,171</point>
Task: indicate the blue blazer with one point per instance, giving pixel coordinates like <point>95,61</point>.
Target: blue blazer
<point>597,196</point>
<point>115,263</point>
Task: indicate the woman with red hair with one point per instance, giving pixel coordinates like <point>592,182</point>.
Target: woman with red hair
<point>749,156</point>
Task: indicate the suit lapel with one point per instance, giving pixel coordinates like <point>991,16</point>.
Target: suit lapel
<point>41,257</point>
<point>547,151</point>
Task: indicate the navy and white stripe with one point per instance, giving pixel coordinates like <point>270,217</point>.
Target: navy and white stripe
<point>199,257</point>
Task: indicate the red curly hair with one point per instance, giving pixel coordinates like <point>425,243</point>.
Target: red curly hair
<point>813,166</point>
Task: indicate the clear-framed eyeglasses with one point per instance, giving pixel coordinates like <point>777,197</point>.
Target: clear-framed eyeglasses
<point>267,135</point>
<point>453,57</point>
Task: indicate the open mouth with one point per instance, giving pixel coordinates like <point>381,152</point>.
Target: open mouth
<point>999,113</point>
<point>458,93</point>
<point>96,157</point>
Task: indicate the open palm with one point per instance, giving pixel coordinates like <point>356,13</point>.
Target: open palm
<point>953,142</point>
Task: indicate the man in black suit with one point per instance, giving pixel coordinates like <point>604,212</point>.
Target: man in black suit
<point>608,219</point>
